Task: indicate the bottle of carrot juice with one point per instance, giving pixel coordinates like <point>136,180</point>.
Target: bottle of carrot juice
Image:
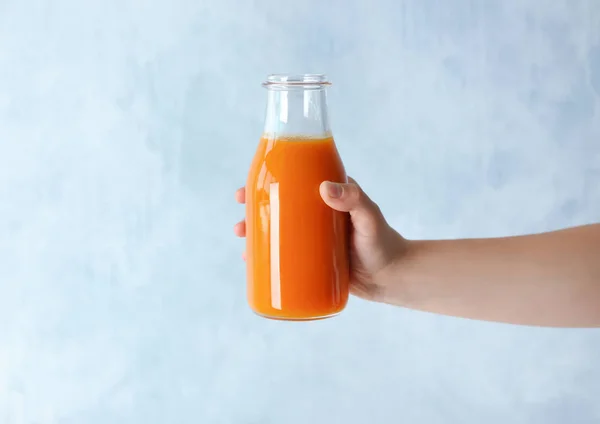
<point>297,247</point>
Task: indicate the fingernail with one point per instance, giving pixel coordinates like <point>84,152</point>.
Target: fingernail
<point>334,190</point>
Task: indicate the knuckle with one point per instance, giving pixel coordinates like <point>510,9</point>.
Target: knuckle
<point>377,209</point>
<point>355,193</point>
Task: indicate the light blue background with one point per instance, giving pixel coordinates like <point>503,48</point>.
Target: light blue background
<point>125,127</point>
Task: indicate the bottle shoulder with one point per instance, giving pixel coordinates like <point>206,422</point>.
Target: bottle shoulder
<point>296,160</point>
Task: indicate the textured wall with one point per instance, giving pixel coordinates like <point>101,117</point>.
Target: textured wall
<point>126,125</point>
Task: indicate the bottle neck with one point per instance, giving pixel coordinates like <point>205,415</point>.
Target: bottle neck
<point>297,112</point>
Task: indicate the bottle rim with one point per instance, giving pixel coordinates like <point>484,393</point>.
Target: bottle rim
<point>283,81</point>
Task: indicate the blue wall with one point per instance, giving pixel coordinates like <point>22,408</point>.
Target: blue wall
<point>125,127</point>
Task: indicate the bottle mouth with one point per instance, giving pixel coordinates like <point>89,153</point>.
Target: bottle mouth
<point>291,81</point>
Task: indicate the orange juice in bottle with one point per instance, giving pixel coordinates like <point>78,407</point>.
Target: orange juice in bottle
<point>296,246</point>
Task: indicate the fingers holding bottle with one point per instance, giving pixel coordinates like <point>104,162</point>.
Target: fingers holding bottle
<point>349,197</point>
<point>240,195</point>
<point>239,229</point>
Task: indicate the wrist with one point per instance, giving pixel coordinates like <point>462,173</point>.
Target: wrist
<point>395,250</point>
<point>400,279</point>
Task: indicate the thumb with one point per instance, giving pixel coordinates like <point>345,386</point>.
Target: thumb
<point>366,216</point>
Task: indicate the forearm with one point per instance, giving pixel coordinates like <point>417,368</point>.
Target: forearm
<point>550,279</point>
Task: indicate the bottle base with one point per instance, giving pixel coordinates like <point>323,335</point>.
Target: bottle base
<point>313,318</point>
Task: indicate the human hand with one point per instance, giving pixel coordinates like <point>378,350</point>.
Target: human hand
<point>374,245</point>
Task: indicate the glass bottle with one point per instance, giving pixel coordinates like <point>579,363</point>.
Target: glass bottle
<point>296,246</point>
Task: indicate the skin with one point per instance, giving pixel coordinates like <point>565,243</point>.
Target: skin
<point>549,279</point>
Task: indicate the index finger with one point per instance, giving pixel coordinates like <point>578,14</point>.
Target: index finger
<point>240,195</point>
